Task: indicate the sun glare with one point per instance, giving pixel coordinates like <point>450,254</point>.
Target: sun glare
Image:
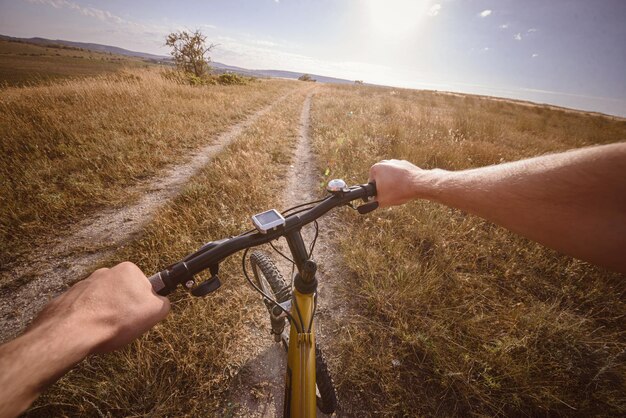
<point>397,18</point>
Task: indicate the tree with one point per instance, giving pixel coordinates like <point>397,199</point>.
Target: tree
<point>190,51</point>
<point>305,77</point>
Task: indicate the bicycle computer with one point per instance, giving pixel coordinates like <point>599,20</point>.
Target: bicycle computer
<point>267,220</point>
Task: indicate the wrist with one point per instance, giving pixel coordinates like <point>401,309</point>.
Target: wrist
<point>430,184</point>
<point>36,359</point>
<point>63,342</point>
<point>69,339</point>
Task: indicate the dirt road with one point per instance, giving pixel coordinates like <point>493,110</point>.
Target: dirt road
<point>48,271</point>
<point>258,388</point>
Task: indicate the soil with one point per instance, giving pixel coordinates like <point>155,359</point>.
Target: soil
<point>51,268</point>
<point>258,389</point>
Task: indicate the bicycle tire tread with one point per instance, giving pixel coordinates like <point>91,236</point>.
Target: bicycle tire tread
<point>281,290</point>
<point>327,401</point>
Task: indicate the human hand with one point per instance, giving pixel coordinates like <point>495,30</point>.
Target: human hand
<point>107,310</point>
<point>99,314</point>
<point>398,181</point>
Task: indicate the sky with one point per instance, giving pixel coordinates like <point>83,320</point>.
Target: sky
<point>570,53</point>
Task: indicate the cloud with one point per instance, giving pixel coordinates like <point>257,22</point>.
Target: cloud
<point>145,33</point>
<point>434,10</point>
<point>251,53</point>
<point>484,13</point>
<point>99,14</point>
<point>261,42</point>
<point>560,93</point>
<point>504,26</point>
<point>486,49</point>
<point>535,55</point>
<point>531,30</point>
<point>517,36</point>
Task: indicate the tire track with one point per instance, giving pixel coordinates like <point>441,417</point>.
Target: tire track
<point>258,391</point>
<point>91,241</point>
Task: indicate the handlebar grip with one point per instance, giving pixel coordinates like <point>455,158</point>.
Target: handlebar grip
<point>158,285</point>
<point>371,189</point>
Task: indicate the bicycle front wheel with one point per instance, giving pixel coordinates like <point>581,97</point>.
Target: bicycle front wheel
<point>268,278</point>
<point>272,283</point>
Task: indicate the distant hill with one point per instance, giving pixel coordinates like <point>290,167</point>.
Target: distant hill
<point>218,66</point>
<point>89,46</point>
<point>26,63</point>
<point>277,74</point>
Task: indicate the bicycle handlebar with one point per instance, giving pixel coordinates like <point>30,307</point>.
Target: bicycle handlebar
<point>211,254</point>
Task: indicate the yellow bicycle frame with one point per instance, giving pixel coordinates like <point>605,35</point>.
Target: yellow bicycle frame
<point>300,400</point>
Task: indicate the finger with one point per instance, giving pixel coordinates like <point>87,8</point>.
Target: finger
<point>165,307</point>
<point>372,173</point>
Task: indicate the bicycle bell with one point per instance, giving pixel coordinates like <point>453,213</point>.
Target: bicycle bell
<point>336,186</point>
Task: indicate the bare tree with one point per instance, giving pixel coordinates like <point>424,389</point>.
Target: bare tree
<point>190,51</point>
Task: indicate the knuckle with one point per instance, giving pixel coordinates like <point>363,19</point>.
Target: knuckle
<point>100,271</point>
<point>127,267</point>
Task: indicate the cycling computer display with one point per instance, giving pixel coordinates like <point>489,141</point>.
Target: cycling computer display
<point>267,220</point>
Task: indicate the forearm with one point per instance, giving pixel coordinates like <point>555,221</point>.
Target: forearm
<point>574,202</point>
<point>106,311</point>
<point>35,360</point>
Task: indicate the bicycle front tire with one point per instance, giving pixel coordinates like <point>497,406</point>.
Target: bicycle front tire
<point>269,279</point>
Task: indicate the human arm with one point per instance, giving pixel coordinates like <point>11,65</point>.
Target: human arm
<point>573,202</point>
<point>99,314</point>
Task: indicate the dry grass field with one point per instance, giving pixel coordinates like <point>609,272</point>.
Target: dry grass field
<point>24,63</point>
<point>447,315</point>
<point>183,366</point>
<point>451,314</point>
<point>70,147</point>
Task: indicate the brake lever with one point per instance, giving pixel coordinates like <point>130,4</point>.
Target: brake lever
<point>208,286</point>
<point>368,207</point>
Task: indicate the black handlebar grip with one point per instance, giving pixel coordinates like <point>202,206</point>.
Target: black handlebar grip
<point>371,192</point>
<point>369,205</point>
<point>158,285</point>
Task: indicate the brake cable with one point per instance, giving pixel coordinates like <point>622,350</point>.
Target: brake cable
<point>281,253</point>
<point>314,310</point>
<point>302,208</point>
<point>267,297</point>
<point>312,245</point>
<point>304,204</point>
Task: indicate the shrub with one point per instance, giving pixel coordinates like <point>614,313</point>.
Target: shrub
<point>306,77</point>
<point>226,79</point>
<point>231,78</point>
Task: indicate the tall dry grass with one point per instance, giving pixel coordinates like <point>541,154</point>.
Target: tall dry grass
<point>452,315</point>
<point>184,366</point>
<point>449,315</point>
<point>28,64</point>
<point>71,147</point>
